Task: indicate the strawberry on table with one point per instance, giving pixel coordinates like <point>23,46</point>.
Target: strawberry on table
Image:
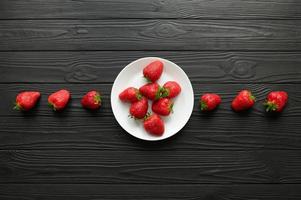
<point>151,90</point>
<point>276,101</point>
<point>154,125</point>
<point>139,108</point>
<point>162,106</point>
<point>243,101</point>
<point>209,101</point>
<point>130,94</point>
<point>91,100</point>
<point>26,100</point>
<point>171,89</point>
<point>58,100</point>
<point>153,71</point>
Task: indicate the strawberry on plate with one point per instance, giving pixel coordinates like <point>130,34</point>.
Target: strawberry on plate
<point>138,109</point>
<point>130,94</point>
<point>243,101</point>
<point>91,100</point>
<point>276,101</point>
<point>26,100</point>
<point>59,100</point>
<point>151,90</point>
<point>154,125</point>
<point>171,89</point>
<point>162,106</point>
<point>209,101</point>
<point>153,71</point>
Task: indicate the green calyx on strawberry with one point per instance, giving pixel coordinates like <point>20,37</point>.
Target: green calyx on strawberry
<point>59,100</point>
<point>243,101</point>
<point>25,101</point>
<point>91,100</point>
<point>130,94</point>
<point>209,101</point>
<point>270,106</point>
<point>153,71</point>
<point>154,125</point>
<point>151,91</point>
<point>162,106</point>
<point>203,106</point>
<point>276,101</point>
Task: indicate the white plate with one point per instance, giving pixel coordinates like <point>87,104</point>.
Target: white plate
<point>132,75</point>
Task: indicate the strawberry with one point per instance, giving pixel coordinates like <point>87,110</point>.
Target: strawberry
<point>162,106</point>
<point>171,89</point>
<point>91,100</point>
<point>243,101</point>
<point>58,100</point>
<point>154,125</point>
<point>209,101</point>
<point>130,94</point>
<point>25,101</point>
<point>139,108</point>
<point>151,90</point>
<point>276,101</point>
<point>153,71</point>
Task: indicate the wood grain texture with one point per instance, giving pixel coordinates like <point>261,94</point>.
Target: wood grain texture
<point>136,34</point>
<point>103,66</point>
<point>87,9</point>
<point>149,192</point>
<point>103,133</point>
<point>224,46</point>
<point>76,128</point>
<point>149,167</point>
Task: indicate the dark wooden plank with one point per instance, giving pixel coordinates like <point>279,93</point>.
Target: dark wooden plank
<point>135,34</point>
<point>81,129</point>
<point>103,66</point>
<point>103,132</point>
<point>84,9</point>
<point>149,192</point>
<point>149,167</point>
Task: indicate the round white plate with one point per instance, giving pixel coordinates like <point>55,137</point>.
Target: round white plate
<point>132,75</point>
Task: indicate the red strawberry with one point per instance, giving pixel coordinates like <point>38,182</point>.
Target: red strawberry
<point>276,101</point>
<point>91,100</point>
<point>139,108</point>
<point>171,89</point>
<point>153,71</point>
<point>58,100</point>
<point>162,106</point>
<point>130,94</point>
<point>154,125</point>
<point>25,101</point>
<point>209,101</point>
<point>243,101</point>
<point>151,90</point>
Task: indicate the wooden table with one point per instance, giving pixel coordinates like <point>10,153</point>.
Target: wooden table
<point>223,46</point>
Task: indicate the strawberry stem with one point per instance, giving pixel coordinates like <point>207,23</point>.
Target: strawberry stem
<point>158,94</point>
<point>147,79</point>
<point>17,107</point>
<point>139,96</point>
<point>164,92</point>
<point>203,106</point>
<point>51,106</point>
<point>97,98</point>
<point>148,114</point>
<point>171,108</point>
<point>270,106</point>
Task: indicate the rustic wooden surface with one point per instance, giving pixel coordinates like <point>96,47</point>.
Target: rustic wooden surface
<point>223,46</point>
